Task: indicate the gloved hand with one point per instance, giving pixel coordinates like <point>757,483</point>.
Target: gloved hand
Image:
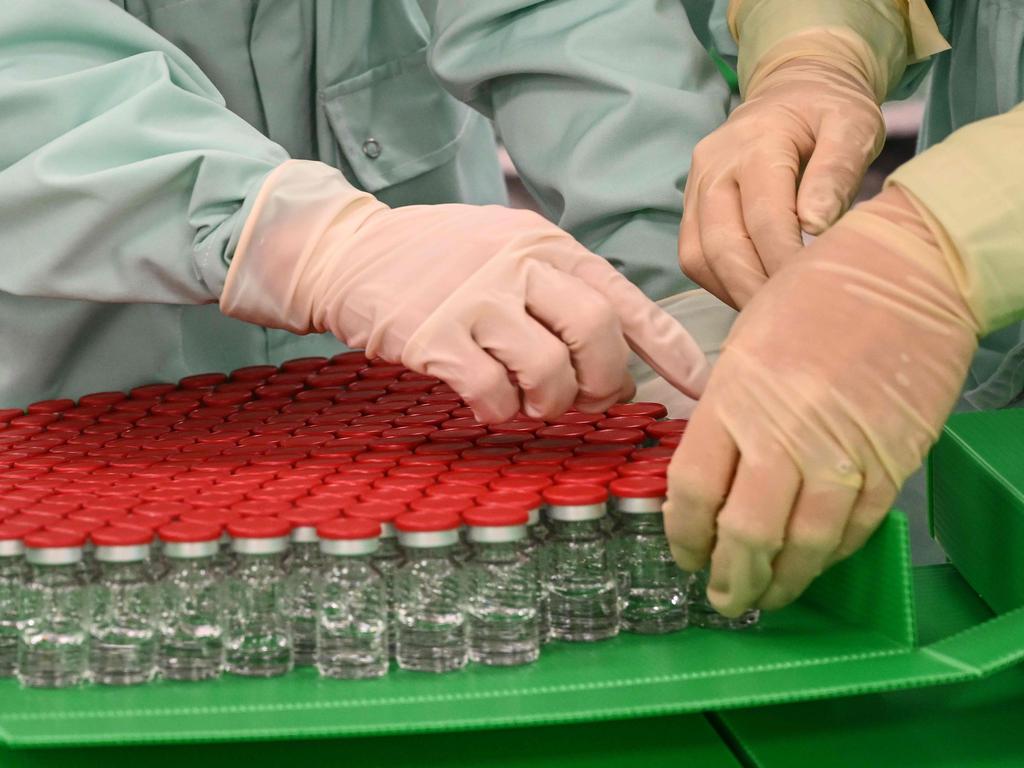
<point>792,156</point>
<point>746,202</point>
<point>467,293</point>
<point>832,385</point>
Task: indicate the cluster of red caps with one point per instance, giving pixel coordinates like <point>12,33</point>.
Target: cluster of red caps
<point>264,449</point>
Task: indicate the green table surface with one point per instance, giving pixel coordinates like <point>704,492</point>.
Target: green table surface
<point>970,724</point>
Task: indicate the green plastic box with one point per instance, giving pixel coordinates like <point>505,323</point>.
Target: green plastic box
<point>853,632</point>
<point>976,488</point>
<point>971,724</point>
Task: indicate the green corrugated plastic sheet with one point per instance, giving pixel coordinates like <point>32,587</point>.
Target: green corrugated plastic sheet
<point>852,633</point>
<point>976,479</point>
<point>975,724</point>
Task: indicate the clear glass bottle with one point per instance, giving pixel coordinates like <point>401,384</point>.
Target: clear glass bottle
<point>583,599</point>
<point>702,614</point>
<point>501,588</point>
<point>535,544</point>
<point>52,633</point>
<point>430,594</point>
<point>191,603</point>
<point>652,587</point>
<point>13,572</point>
<point>258,634</point>
<point>303,564</point>
<point>389,556</point>
<point>352,621</point>
<point>123,627</point>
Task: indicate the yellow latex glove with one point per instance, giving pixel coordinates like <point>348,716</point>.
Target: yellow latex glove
<point>792,156</point>
<point>470,294</point>
<point>832,386</point>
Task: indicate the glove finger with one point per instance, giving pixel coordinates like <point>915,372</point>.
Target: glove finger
<point>651,332</point>
<point>873,503</point>
<point>768,199</point>
<point>815,530</point>
<point>699,476</point>
<point>589,330</point>
<point>842,153</point>
<point>691,254</point>
<point>477,377</point>
<point>727,246</point>
<point>540,361</point>
<point>752,527</point>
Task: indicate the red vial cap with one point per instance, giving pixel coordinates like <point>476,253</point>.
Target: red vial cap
<point>639,487</point>
<point>660,429</point>
<point>605,449</point>
<point>15,531</point>
<point>308,518</point>
<point>505,439</point>
<point>625,422</point>
<point>101,398</point>
<point>427,522</point>
<point>121,536</point>
<point>650,410</point>
<point>6,414</point>
<point>466,478</point>
<point>556,458</point>
<point>404,483</point>
<point>531,484</point>
<point>457,435</point>
<point>348,529</point>
<point>202,380</point>
<point>253,373</point>
<point>493,517</point>
<point>50,406</point>
<point>592,461</point>
<point>644,469</point>
<point>442,449</point>
<point>519,499</point>
<point>455,491</point>
<point>381,512</point>
<point>670,441</point>
<point>303,364</point>
<point>575,495</point>
<point>148,391</point>
<point>219,517</point>
<point>614,436</point>
<point>84,527</point>
<point>657,453</point>
<point>441,460</point>
<point>578,417</point>
<point>550,444</point>
<point>479,465</point>
<point>452,504</point>
<point>350,358</point>
<point>181,532</point>
<point>53,539</point>
<point>585,477</point>
<point>417,471</point>
<point>391,495</point>
<point>531,470</point>
<point>259,528</point>
<point>517,426</point>
<point>260,508</point>
<point>492,452</point>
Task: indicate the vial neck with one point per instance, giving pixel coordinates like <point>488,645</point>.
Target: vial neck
<point>497,551</point>
<point>634,522</point>
<point>430,553</point>
<point>576,528</point>
<point>127,571</point>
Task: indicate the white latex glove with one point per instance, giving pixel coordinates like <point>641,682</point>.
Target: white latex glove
<point>792,156</point>
<point>831,387</point>
<point>470,294</point>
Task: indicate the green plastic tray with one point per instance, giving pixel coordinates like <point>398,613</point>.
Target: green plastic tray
<point>853,632</point>
<point>976,488</point>
<point>971,724</point>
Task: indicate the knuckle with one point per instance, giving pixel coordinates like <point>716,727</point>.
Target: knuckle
<point>747,534</point>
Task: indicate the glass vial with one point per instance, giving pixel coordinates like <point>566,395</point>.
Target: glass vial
<point>430,593</point>
<point>191,603</point>
<point>258,635</point>
<point>303,564</point>
<point>352,616</point>
<point>52,639</point>
<point>652,587</point>
<point>389,556</point>
<point>501,588</point>
<point>122,632</point>
<point>583,599</point>
<point>13,572</point>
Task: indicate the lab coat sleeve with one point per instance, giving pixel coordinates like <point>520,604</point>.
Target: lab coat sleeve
<point>599,104</point>
<point>972,184</point>
<point>123,177</point>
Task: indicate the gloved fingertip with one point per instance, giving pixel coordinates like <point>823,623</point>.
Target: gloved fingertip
<point>775,597</point>
<point>819,212</point>
<point>688,559</point>
<point>726,603</point>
